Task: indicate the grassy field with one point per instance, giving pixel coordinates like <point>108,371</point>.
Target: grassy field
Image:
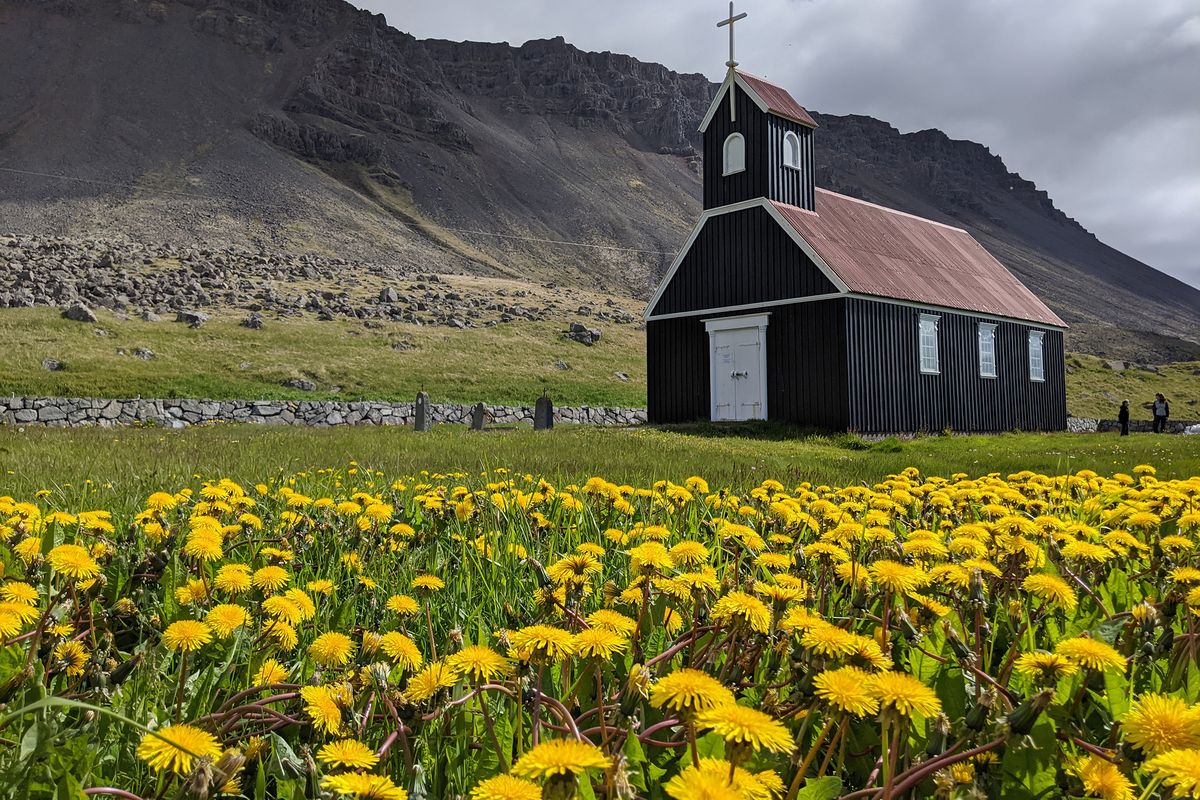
<point>508,363</point>
<point>134,462</point>
<point>1094,390</point>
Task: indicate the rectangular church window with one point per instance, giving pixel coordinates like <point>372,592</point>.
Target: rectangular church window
<point>1036,364</point>
<point>929,344</point>
<point>987,350</point>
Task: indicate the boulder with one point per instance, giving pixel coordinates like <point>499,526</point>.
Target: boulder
<point>301,384</point>
<point>53,365</point>
<point>193,319</point>
<point>78,312</point>
<point>253,322</point>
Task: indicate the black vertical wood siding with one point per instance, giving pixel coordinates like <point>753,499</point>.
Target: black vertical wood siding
<point>741,257</point>
<point>807,380</point>
<point>765,175</point>
<point>751,182</point>
<point>889,394</point>
<point>787,185</point>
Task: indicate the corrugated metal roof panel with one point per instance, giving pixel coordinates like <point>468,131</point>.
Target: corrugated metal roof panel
<point>886,253</point>
<point>779,100</point>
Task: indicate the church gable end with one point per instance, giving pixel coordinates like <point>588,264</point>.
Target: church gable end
<point>740,258</point>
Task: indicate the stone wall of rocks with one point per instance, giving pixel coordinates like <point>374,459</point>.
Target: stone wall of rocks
<point>1088,425</point>
<point>69,412</point>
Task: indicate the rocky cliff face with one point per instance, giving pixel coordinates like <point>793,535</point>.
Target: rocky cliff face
<point>309,125</point>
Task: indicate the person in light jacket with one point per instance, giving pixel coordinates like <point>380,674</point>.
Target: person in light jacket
<point>1123,417</point>
<point>1162,410</point>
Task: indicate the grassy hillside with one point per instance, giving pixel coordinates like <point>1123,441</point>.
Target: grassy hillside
<point>134,462</point>
<point>510,363</point>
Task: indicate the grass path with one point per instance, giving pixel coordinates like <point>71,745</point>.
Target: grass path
<point>135,462</point>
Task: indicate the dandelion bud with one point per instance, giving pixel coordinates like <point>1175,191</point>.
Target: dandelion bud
<point>379,672</point>
<point>977,716</point>
<point>961,651</point>
<point>910,632</point>
<point>560,787</point>
<point>976,595</point>
<point>13,684</point>
<point>125,669</point>
<point>939,729</point>
<point>1022,718</point>
<point>456,638</point>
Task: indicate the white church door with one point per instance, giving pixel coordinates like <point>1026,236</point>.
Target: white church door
<point>738,367</point>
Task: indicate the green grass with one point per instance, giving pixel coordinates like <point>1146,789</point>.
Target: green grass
<point>510,363</point>
<point>135,462</point>
<point>505,364</point>
<point>1097,391</point>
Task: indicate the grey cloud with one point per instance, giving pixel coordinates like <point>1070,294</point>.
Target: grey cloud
<point>1095,100</point>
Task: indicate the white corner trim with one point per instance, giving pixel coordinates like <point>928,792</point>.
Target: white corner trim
<point>716,103</point>
<point>787,301</point>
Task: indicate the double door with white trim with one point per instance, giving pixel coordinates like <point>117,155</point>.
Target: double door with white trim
<point>737,361</point>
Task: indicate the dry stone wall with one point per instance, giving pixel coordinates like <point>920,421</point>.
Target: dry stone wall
<point>69,412</point>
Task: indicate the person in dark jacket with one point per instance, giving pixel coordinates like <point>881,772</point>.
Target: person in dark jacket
<point>1161,410</point>
<point>1123,417</point>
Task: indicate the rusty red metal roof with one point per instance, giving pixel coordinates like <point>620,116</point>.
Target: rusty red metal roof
<point>886,253</point>
<point>779,100</point>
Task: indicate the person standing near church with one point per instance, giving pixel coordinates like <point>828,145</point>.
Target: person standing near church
<point>1123,417</point>
<point>1162,411</point>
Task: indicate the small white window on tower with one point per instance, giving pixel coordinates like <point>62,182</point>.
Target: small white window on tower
<point>791,150</point>
<point>1037,369</point>
<point>734,154</point>
<point>929,344</point>
<point>987,350</point>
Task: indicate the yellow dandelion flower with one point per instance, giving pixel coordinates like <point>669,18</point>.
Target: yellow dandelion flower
<point>331,649</point>
<point>541,644</point>
<point>650,557</point>
<point>175,747</point>
<point>559,757</point>
<point>73,561</point>
<point>600,643</point>
<point>846,690</point>
<point>689,690</point>
<point>403,605</point>
<point>401,650</point>
<point>270,672</point>
<point>322,706</point>
<point>186,635</point>
<point>232,579</point>
<point>320,586</point>
<point>282,608</point>
<point>18,592</point>
<point>1051,589</point>
<point>428,584</point>
<point>745,608</point>
<point>1179,771</point>
<point>1090,654</point>
<point>348,753</point>
<point>482,663</point>
<point>430,680</point>
<point>612,620</point>
<point>1047,667</point>
<point>689,553</point>
<point>1157,723</point>
<point>270,579</point>
<point>506,787</point>
<point>75,657</point>
<point>225,618</point>
<point>742,725</point>
<point>1103,779</point>
<point>364,787</point>
<point>904,694</point>
<point>898,578</point>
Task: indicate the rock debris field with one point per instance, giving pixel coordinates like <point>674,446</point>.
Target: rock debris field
<point>180,283</point>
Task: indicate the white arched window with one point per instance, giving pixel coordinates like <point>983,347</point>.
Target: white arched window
<point>791,150</point>
<point>734,152</point>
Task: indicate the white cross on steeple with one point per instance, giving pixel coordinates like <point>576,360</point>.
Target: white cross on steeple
<point>731,63</point>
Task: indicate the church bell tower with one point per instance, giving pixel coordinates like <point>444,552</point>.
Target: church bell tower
<point>758,141</point>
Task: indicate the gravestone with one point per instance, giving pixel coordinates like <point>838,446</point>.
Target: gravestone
<point>478,414</point>
<point>543,413</point>
<point>422,420</point>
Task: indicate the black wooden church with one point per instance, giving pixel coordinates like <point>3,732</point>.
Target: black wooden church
<point>794,303</point>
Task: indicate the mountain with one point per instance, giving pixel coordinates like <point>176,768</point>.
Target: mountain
<point>309,125</point>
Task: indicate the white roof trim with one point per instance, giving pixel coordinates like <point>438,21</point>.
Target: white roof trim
<point>758,202</point>
<point>716,103</point>
<point>735,323</point>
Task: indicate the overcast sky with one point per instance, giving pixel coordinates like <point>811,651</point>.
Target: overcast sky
<point>1096,101</point>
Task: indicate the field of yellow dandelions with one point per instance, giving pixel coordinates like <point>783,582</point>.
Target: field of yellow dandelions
<point>343,633</point>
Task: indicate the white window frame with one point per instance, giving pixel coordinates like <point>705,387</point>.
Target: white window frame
<point>987,334</point>
<point>727,166</point>
<point>740,322</point>
<point>791,146</point>
<point>923,323</point>
<point>1037,366</point>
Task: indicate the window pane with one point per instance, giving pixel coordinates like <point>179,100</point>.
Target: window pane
<point>928,344</point>
<point>987,350</point>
